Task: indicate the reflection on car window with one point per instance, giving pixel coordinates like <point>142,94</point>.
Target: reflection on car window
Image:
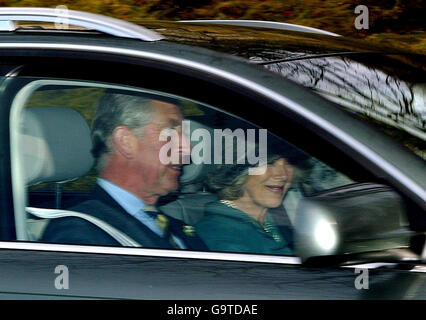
<point>384,92</point>
<point>101,169</point>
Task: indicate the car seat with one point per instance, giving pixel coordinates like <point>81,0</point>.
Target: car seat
<point>55,145</point>
<point>193,196</point>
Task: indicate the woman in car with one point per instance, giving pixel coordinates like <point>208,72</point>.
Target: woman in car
<point>249,217</point>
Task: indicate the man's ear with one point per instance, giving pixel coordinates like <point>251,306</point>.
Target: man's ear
<point>124,141</point>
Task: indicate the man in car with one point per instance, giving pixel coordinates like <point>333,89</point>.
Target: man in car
<point>126,146</point>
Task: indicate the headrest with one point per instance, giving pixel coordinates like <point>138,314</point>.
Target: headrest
<point>195,173</point>
<point>55,145</point>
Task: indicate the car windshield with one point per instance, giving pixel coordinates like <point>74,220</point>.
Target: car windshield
<point>389,91</point>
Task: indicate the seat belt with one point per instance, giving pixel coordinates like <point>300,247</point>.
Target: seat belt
<point>119,236</point>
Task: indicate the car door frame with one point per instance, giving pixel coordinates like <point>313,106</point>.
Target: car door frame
<point>209,256</point>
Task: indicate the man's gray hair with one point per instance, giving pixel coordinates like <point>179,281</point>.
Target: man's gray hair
<point>113,110</point>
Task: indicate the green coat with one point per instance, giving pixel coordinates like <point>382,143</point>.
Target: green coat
<point>227,229</point>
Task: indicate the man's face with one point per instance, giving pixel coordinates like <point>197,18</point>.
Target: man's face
<point>156,178</point>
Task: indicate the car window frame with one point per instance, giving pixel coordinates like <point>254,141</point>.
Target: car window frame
<point>19,196</point>
<point>163,59</point>
<point>251,257</point>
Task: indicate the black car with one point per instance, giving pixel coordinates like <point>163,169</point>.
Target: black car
<point>353,114</point>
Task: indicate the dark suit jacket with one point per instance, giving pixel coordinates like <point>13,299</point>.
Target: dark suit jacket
<point>73,230</point>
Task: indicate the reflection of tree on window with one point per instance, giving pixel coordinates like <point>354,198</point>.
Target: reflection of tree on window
<point>385,99</point>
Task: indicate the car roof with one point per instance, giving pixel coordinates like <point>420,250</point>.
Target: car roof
<point>238,39</point>
<point>260,45</point>
<point>234,39</point>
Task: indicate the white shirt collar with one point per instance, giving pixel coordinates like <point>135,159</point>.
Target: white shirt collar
<point>131,203</point>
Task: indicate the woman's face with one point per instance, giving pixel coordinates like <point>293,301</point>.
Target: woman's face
<point>268,189</point>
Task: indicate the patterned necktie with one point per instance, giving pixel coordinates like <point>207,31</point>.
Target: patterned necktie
<point>163,223</point>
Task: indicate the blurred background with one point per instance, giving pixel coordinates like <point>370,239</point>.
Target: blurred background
<point>400,23</point>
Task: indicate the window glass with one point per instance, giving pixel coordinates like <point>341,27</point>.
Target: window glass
<point>388,91</point>
<point>107,165</point>
<point>84,101</point>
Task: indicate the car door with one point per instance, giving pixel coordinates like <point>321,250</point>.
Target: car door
<point>216,101</point>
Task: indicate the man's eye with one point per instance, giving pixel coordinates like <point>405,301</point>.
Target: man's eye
<point>173,128</point>
<point>166,134</point>
<point>170,129</point>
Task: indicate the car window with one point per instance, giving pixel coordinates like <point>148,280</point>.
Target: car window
<point>238,192</point>
<point>388,91</point>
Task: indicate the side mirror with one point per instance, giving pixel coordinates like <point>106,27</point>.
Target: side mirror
<point>359,219</point>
